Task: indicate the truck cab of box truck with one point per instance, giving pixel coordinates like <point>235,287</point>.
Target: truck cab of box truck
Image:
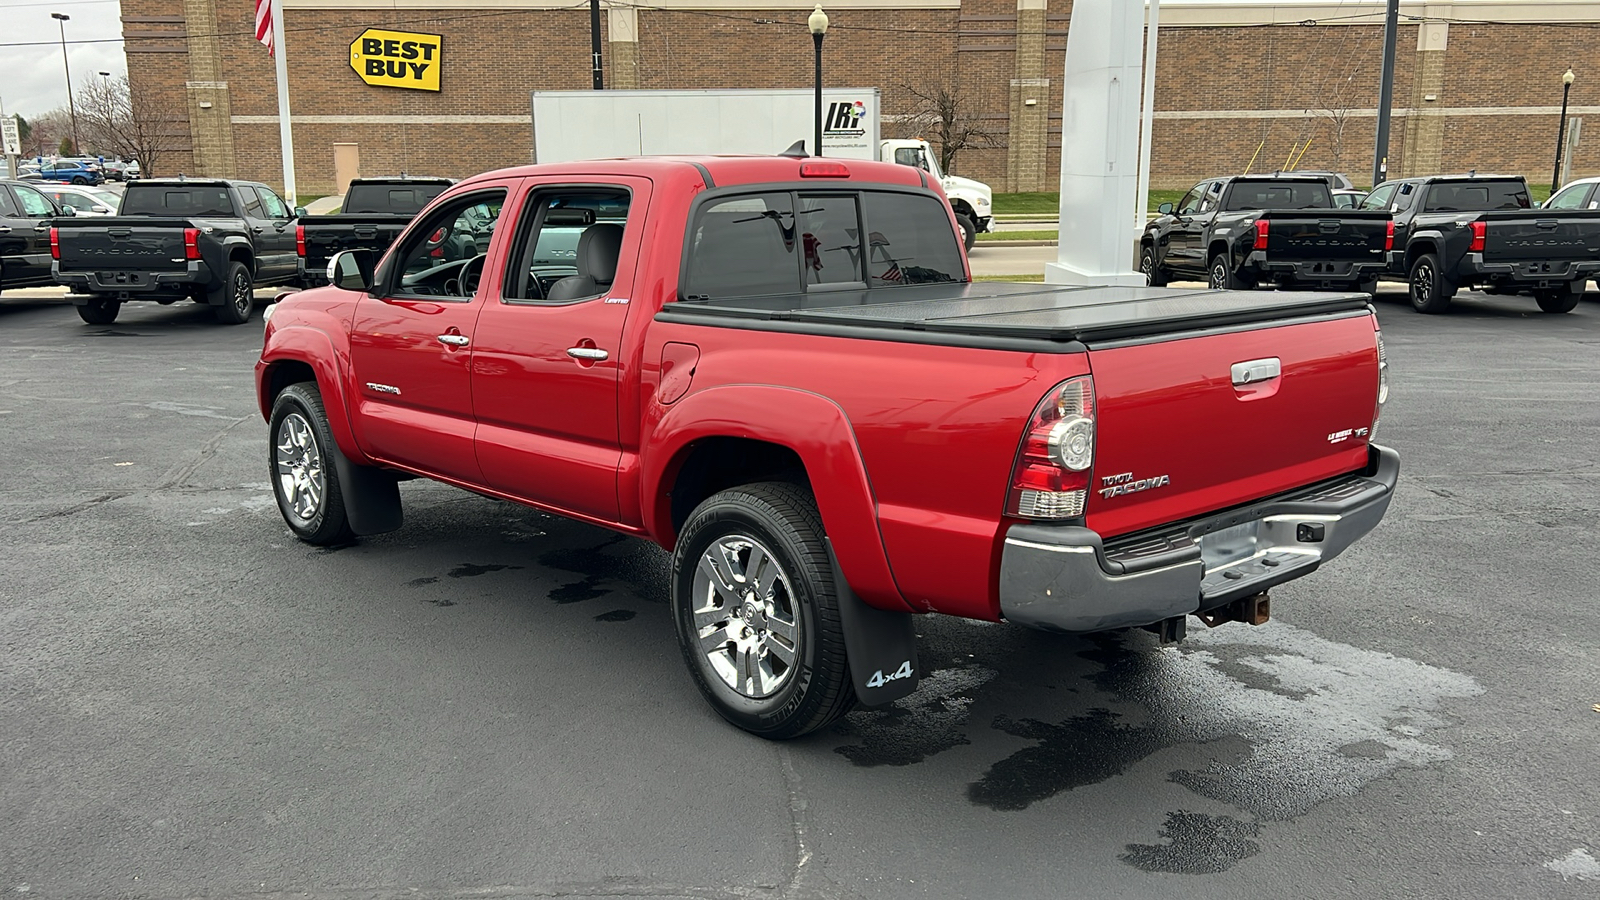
<point>972,200</point>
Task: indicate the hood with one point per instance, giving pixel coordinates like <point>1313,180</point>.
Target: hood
<point>957,183</point>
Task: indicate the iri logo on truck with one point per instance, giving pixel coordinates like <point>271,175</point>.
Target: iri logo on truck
<point>879,679</point>
<point>845,119</point>
<point>1125,483</point>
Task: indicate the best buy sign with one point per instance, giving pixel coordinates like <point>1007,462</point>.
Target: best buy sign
<point>397,59</point>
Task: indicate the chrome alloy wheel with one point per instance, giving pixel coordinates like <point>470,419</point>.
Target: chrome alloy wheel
<point>1147,265</point>
<point>746,617</point>
<point>1219,276</point>
<point>1422,283</point>
<point>242,294</point>
<point>301,481</point>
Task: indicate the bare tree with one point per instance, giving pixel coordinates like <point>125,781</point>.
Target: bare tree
<point>116,122</point>
<point>1335,106</point>
<point>943,115</point>
<point>45,132</point>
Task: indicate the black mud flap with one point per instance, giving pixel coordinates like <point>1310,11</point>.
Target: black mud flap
<point>371,496</point>
<point>881,645</point>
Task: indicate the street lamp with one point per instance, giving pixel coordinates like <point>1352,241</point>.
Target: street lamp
<point>819,27</point>
<point>1561,129</point>
<point>62,19</point>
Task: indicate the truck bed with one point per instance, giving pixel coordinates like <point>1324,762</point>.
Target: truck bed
<point>1065,316</point>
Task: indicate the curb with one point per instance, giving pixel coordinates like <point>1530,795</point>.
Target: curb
<point>1014,244</point>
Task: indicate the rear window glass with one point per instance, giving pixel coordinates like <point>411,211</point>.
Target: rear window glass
<point>745,247</point>
<point>383,198</point>
<point>1279,195</point>
<point>165,200</point>
<point>909,240</point>
<point>1476,196</point>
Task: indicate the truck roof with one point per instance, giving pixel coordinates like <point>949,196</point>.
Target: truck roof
<point>721,171</point>
<point>403,179</point>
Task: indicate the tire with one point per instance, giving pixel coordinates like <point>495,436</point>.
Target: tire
<point>1222,277</point>
<point>235,300</point>
<point>969,230</point>
<point>100,310</point>
<point>300,463</point>
<point>1559,300</point>
<point>1431,291</point>
<point>79,179</point>
<point>1154,276</point>
<point>725,541</point>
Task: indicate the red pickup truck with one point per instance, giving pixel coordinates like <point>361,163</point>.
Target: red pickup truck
<point>779,370</point>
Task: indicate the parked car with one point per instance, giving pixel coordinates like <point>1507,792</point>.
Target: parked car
<point>1242,231</point>
<point>1348,199</point>
<point>84,200</point>
<point>779,370</point>
<point>72,171</point>
<point>1581,194</point>
<point>374,213</point>
<point>212,241</point>
<point>25,217</point>
<point>1464,231</point>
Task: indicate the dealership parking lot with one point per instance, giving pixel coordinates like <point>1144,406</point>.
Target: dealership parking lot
<point>490,701</point>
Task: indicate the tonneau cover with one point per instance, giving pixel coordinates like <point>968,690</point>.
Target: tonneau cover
<point>1029,311</point>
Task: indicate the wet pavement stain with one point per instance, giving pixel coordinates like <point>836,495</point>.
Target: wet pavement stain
<point>419,582</point>
<point>616,615</point>
<point>579,591</point>
<point>642,567</point>
<point>440,601</point>
<point>1196,844</point>
<point>931,720</point>
<point>1083,750</point>
<point>470,570</point>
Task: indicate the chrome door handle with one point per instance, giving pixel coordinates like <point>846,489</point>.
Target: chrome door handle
<point>454,340</point>
<point>587,353</point>
<point>5,229</point>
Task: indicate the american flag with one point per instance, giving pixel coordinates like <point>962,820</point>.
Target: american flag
<point>264,23</point>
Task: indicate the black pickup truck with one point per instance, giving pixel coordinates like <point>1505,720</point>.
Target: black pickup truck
<point>1461,231</point>
<point>209,241</point>
<point>375,211</point>
<point>1243,231</point>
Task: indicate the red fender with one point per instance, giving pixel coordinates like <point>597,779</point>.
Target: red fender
<point>312,346</point>
<point>816,429</point>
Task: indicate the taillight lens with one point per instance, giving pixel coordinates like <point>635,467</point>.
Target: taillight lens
<point>55,243</point>
<point>191,243</point>
<point>1388,238</point>
<point>1261,234</point>
<point>1050,479</point>
<point>818,169</point>
<point>1480,231</point>
<point>300,240</point>
<point>1383,388</point>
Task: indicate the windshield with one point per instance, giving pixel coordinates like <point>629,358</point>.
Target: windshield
<point>1476,196</point>
<point>1279,195</point>
<point>177,200</point>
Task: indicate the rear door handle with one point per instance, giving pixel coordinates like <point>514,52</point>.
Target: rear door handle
<point>454,340</point>
<point>256,229</point>
<point>587,353</point>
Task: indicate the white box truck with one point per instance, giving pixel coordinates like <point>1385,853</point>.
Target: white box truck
<point>572,125</point>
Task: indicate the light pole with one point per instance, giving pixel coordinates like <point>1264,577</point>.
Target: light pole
<point>62,19</point>
<point>819,28</point>
<point>1561,129</point>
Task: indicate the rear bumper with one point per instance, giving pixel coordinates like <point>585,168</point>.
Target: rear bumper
<point>1066,578</point>
<point>1533,273</point>
<point>137,285</point>
<point>1327,272</point>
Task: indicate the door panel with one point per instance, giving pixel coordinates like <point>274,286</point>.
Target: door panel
<point>275,241</point>
<point>30,234</point>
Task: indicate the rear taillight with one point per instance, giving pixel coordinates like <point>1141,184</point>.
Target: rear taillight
<point>55,243</point>
<point>1480,231</point>
<point>1050,479</point>
<point>1388,237</point>
<point>1261,234</point>
<point>191,243</point>
<point>1383,388</point>
<point>300,240</point>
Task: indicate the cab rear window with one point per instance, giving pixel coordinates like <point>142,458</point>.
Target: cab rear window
<point>383,198</point>
<point>164,200</point>
<point>1476,196</point>
<point>794,242</point>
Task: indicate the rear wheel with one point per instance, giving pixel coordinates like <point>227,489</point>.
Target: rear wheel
<point>1153,274</point>
<point>99,310</point>
<point>304,479</point>
<point>79,179</point>
<point>1223,278</point>
<point>969,230</point>
<point>234,301</point>
<point>757,611</point>
<point>1431,291</point>
<point>1559,300</point>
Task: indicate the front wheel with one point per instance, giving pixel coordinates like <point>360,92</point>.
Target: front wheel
<point>304,479</point>
<point>757,611</point>
<point>1431,291</point>
<point>1559,300</point>
<point>99,310</point>
<point>1153,275</point>
<point>235,300</point>
<point>969,230</point>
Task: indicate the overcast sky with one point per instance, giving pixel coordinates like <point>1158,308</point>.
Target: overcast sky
<point>31,79</point>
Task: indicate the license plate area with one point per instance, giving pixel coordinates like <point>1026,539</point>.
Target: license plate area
<point>1224,547</point>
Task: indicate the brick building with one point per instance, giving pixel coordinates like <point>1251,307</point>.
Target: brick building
<point>1477,81</point>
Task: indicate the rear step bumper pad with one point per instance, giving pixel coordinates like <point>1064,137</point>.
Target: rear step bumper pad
<point>1063,578</point>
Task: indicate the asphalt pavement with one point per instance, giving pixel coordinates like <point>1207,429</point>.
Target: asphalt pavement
<point>489,703</point>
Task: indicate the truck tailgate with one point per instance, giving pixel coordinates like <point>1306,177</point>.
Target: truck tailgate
<point>1182,429</point>
<point>117,244</point>
<point>327,235</point>
<point>1552,235</point>
<point>1327,234</point>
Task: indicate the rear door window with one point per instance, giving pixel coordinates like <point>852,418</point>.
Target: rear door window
<point>252,203</point>
<point>744,246</point>
<point>7,208</point>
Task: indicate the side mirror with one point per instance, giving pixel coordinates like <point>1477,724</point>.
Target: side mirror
<point>1165,209</point>
<point>299,212</point>
<point>351,270</point>
<point>68,211</point>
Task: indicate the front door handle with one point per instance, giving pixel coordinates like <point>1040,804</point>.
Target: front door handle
<point>594,353</point>
<point>5,229</point>
<point>454,340</point>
